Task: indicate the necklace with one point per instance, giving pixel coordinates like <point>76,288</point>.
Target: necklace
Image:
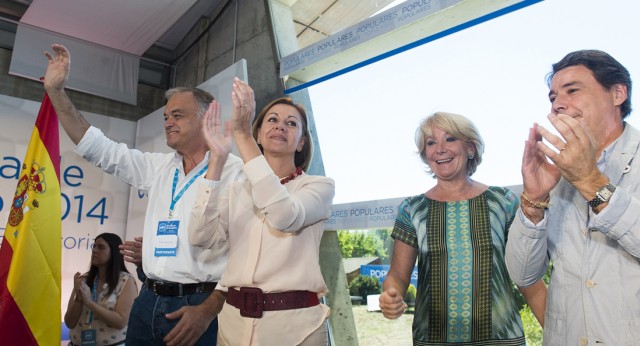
<point>291,176</point>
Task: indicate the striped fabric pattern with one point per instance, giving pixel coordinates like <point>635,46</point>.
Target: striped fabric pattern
<point>464,293</point>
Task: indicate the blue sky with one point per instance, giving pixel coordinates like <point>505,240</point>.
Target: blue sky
<point>493,73</point>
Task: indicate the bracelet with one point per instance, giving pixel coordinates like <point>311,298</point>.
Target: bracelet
<point>538,205</point>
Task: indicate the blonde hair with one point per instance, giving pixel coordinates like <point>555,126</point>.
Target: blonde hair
<point>456,125</point>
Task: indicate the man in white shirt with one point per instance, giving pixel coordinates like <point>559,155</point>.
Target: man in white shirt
<point>176,305</point>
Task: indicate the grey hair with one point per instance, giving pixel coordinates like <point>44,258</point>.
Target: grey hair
<point>203,98</point>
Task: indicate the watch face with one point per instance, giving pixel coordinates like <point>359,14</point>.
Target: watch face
<point>604,194</point>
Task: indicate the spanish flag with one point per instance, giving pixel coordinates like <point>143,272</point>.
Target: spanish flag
<point>31,248</point>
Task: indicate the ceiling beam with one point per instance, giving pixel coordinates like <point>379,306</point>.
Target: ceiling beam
<point>397,29</point>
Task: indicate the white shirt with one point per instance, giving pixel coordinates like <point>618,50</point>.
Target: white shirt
<point>154,173</point>
<point>274,233</point>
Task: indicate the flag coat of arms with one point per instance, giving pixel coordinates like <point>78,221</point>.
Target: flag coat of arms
<point>30,256</point>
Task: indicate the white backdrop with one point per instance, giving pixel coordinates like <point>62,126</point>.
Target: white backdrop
<point>92,202</point>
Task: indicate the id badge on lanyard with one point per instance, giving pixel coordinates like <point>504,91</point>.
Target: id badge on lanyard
<point>166,240</point>
<point>89,336</point>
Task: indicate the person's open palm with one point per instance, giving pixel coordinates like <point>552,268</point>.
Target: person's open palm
<point>57,68</point>
<point>218,139</point>
<point>539,175</point>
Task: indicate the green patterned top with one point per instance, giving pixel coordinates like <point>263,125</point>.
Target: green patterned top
<point>465,295</point>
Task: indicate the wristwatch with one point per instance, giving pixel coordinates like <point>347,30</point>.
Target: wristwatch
<point>602,195</point>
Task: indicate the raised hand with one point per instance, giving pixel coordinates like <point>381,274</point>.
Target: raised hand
<point>218,139</point>
<point>538,174</point>
<point>78,280</point>
<point>244,106</point>
<point>578,150</point>
<point>57,69</point>
<point>85,292</point>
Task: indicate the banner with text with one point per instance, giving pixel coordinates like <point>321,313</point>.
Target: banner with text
<point>364,215</point>
<point>380,272</point>
<point>366,30</point>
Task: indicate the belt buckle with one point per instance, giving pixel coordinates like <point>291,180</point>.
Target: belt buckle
<point>201,287</point>
<point>157,284</point>
<point>160,288</point>
<point>251,297</point>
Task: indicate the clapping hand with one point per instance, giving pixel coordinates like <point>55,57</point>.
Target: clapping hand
<point>84,292</point>
<point>577,149</point>
<point>218,139</point>
<point>78,280</point>
<point>244,106</point>
<point>539,175</point>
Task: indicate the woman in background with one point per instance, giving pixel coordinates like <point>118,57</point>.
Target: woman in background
<point>101,300</point>
<point>458,231</point>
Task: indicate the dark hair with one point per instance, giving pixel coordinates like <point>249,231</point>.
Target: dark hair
<point>606,70</point>
<point>303,157</point>
<point>115,266</point>
<point>203,98</point>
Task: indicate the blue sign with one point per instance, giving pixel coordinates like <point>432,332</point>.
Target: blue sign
<point>380,272</point>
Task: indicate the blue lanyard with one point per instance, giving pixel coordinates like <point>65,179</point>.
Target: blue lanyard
<point>175,198</point>
<point>94,297</point>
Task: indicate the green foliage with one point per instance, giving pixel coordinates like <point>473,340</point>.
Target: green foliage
<point>363,286</point>
<point>365,243</point>
<point>411,293</point>
<point>532,329</point>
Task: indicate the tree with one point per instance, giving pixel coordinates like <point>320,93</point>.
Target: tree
<point>410,295</point>
<point>365,243</point>
<point>363,286</point>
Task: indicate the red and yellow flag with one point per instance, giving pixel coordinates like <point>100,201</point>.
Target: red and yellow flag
<point>31,249</point>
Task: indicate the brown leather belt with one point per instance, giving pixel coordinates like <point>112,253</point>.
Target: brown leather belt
<point>176,289</point>
<point>252,301</point>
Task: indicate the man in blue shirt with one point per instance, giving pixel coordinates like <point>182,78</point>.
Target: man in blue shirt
<point>580,206</point>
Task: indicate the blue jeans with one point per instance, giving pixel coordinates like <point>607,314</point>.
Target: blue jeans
<point>148,325</point>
